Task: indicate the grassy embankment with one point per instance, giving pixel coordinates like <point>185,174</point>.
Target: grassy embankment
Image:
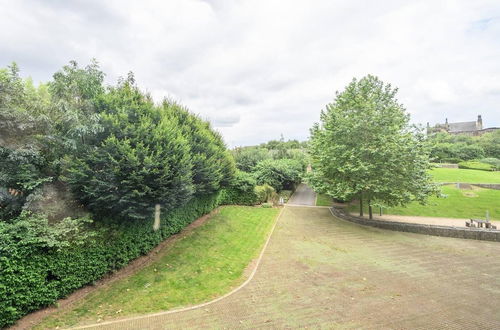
<point>463,175</point>
<point>205,264</point>
<point>456,203</point>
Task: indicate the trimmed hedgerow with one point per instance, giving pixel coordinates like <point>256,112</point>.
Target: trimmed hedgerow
<point>34,276</point>
<point>476,165</point>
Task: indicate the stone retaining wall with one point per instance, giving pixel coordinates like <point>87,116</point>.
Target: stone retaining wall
<point>445,231</point>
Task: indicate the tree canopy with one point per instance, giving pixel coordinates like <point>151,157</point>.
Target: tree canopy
<point>365,148</point>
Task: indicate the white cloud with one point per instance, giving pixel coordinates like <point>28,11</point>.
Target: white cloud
<point>261,68</point>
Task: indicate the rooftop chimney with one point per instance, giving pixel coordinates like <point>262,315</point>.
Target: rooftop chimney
<point>479,123</point>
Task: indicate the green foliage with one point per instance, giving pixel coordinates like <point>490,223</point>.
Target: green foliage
<point>365,147</point>
<point>247,157</point>
<point>147,155</point>
<point>264,193</point>
<point>21,172</point>
<point>213,165</point>
<point>23,110</point>
<point>279,173</point>
<point>475,165</point>
<point>142,160</point>
<point>74,92</point>
<point>495,162</point>
<point>445,152</point>
<point>33,230</point>
<point>37,266</point>
<point>490,142</point>
<point>120,154</point>
<point>190,271</point>
<point>240,191</point>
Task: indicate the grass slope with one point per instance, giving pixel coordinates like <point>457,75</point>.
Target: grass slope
<point>323,200</point>
<point>463,175</point>
<point>205,264</point>
<point>457,204</point>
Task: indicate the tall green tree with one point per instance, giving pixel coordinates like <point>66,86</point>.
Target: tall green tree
<point>365,148</point>
<point>139,159</point>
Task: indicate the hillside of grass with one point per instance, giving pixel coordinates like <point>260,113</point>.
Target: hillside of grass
<point>464,175</point>
<point>457,203</point>
<point>205,264</point>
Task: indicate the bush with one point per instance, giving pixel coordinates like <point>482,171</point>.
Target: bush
<point>33,276</point>
<point>280,173</point>
<point>146,155</point>
<point>240,191</point>
<point>475,165</point>
<point>495,162</point>
<point>264,193</point>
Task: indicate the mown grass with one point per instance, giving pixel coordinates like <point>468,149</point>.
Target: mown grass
<point>457,204</point>
<point>205,264</point>
<point>463,175</point>
<point>323,200</point>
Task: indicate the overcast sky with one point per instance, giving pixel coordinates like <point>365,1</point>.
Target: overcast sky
<point>257,69</point>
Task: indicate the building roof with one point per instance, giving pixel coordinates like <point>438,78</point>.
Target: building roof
<point>464,126</point>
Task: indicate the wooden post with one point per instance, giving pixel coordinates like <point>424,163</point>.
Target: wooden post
<point>360,204</point>
<point>381,211</point>
<point>156,224</point>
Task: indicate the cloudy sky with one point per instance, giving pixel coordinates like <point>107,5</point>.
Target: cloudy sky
<point>257,69</point>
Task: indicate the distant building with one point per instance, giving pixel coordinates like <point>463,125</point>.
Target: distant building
<point>472,128</point>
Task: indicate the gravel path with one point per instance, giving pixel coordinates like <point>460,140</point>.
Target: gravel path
<point>321,272</point>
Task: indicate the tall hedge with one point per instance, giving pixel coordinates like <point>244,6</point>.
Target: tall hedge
<point>33,276</point>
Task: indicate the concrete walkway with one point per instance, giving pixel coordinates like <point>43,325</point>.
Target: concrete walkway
<point>321,272</point>
<point>303,196</point>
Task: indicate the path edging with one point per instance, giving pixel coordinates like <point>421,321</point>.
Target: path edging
<point>433,230</point>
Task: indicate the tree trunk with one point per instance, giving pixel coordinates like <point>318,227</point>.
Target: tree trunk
<point>370,211</point>
<point>360,204</point>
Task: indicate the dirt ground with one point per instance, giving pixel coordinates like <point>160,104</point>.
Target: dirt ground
<point>321,272</point>
<point>454,222</point>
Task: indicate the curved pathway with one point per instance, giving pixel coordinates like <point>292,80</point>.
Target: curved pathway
<point>319,271</point>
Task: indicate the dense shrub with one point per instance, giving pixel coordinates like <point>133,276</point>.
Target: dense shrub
<point>456,151</point>
<point>265,193</point>
<point>248,157</point>
<point>241,190</point>
<point>280,173</point>
<point>36,275</point>
<point>475,165</point>
<point>495,162</point>
<point>146,155</point>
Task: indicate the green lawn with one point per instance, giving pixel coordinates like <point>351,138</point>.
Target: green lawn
<point>463,175</point>
<point>457,204</point>
<point>205,264</point>
<point>323,200</point>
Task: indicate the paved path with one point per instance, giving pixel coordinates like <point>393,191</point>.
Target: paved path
<point>440,221</point>
<point>321,272</point>
<point>303,196</point>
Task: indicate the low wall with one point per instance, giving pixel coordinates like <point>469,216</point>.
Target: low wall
<point>444,231</point>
